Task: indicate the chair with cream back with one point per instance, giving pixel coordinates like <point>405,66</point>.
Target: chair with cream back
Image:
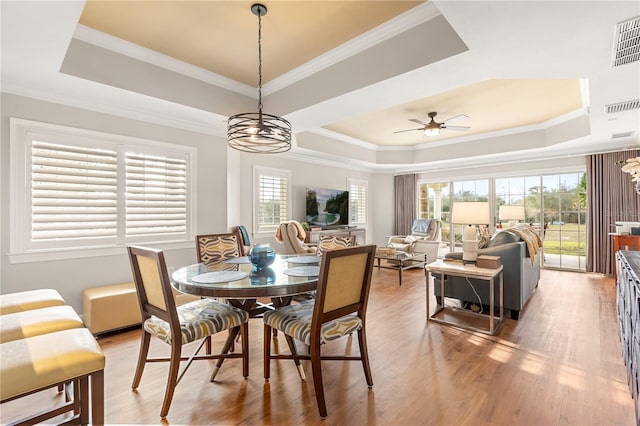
<point>339,309</point>
<point>177,326</point>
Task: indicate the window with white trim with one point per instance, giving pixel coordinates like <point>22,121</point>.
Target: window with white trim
<point>358,202</point>
<point>272,198</point>
<point>78,192</point>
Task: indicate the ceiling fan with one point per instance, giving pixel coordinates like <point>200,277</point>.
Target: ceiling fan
<point>433,128</point>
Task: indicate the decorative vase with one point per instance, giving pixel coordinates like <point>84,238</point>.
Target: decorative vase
<point>262,255</point>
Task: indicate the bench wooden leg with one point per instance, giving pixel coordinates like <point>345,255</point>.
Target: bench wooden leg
<point>97,398</point>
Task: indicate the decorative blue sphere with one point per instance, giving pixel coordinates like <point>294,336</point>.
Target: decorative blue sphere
<point>262,255</point>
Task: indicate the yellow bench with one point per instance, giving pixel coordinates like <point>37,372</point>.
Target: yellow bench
<point>21,325</point>
<point>37,363</point>
<point>113,307</point>
<point>27,300</point>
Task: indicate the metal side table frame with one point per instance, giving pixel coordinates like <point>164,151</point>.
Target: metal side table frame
<point>457,268</point>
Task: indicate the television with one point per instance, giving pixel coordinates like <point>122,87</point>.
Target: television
<point>327,207</point>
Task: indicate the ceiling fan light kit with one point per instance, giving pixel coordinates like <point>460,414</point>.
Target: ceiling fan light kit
<point>258,132</point>
<point>433,128</point>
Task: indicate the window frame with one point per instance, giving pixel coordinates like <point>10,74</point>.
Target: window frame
<point>258,172</point>
<point>21,134</point>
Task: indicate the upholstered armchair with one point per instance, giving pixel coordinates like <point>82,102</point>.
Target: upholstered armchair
<point>425,237</point>
<point>291,234</point>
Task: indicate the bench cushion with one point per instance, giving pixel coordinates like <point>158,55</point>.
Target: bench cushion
<point>27,300</point>
<point>38,362</point>
<point>38,321</point>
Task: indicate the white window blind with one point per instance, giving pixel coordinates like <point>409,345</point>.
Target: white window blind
<point>272,195</point>
<point>74,192</point>
<point>358,202</point>
<point>81,193</point>
<point>156,195</point>
<point>273,200</point>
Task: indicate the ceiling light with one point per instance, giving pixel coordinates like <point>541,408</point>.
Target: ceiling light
<point>432,131</point>
<point>259,132</point>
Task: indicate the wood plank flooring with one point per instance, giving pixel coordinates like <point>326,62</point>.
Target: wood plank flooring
<point>560,364</point>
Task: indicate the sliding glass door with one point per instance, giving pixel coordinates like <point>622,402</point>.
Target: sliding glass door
<point>555,205</point>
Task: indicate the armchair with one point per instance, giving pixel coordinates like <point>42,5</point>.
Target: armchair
<point>425,237</point>
<point>292,235</point>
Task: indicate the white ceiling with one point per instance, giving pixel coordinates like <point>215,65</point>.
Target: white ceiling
<point>533,77</point>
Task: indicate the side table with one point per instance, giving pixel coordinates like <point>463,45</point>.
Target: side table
<point>459,269</point>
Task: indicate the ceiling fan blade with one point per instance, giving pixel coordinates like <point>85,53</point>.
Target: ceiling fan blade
<point>409,130</point>
<point>456,118</point>
<point>415,120</point>
<point>457,128</point>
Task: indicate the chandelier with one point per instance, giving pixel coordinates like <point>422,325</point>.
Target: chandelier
<point>259,132</point>
<point>632,166</point>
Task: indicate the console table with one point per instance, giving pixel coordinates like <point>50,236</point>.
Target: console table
<point>358,233</point>
<point>459,269</point>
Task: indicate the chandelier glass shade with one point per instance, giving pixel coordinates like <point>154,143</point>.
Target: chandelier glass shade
<point>258,132</point>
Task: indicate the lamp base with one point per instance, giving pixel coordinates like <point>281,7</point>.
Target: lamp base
<point>469,251</point>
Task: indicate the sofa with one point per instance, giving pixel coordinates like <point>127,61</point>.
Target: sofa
<point>520,275</point>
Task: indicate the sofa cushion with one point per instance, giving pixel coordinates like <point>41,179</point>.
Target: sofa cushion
<point>503,237</point>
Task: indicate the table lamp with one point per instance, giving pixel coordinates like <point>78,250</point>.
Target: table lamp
<point>511,213</point>
<point>470,213</point>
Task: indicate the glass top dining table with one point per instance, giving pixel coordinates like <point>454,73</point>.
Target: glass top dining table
<point>240,282</point>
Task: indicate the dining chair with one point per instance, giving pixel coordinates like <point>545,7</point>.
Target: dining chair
<point>177,326</point>
<point>243,238</point>
<point>330,242</point>
<point>339,309</point>
<point>216,248</point>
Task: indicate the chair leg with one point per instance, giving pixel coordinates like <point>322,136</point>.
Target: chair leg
<point>364,353</point>
<point>208,348</point>
<point>294,354</point>
<point>244,333</point>
<point>267,352</point>
<point>172,378</point>
<point>142,359</point>
<point>225,350</point>
<point>316,368</point>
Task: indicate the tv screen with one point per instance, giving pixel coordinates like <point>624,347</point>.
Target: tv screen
<point>327,207</point>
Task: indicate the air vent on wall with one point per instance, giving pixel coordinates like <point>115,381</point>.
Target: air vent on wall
<point>622,106</point>
<point>626,48</point>
<point>621,135</point>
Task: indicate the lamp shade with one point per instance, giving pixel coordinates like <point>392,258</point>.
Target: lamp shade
<point>511,213</point>
<point>471,213</point>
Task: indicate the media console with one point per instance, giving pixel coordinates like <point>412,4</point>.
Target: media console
<point>360,234</point>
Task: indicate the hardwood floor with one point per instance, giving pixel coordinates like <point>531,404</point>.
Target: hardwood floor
<point>560,364</point>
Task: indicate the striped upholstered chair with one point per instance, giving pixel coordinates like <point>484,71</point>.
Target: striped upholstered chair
<point>215,248</point>
<point>339,309</point>
<point>180,325</point>
<point>330,242</point>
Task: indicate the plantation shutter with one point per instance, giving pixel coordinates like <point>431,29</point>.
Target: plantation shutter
<point>73,192</point>
<point>358,203</point>
<point>156,195</point>
<point>272,200</point>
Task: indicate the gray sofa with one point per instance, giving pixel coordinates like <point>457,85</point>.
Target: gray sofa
<point>521,276</point>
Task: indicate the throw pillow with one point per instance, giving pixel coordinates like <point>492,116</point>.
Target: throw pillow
<point>483,240</point>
